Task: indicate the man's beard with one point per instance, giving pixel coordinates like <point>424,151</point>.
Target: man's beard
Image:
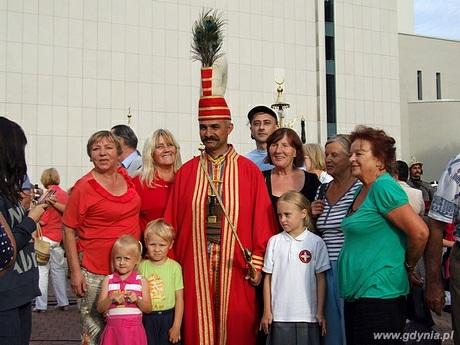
<point>416,179</point>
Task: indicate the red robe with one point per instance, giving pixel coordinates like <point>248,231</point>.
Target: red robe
<point>246,199</point>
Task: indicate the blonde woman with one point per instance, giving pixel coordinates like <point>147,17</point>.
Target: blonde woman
<point>51,226</point>
<point>315,162</point>
<point>161,160</point>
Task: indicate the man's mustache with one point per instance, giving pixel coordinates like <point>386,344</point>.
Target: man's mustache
<point>210,138</point>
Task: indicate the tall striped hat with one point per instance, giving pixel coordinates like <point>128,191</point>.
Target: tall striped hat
<point>206,47</point>
<point>212,104</point>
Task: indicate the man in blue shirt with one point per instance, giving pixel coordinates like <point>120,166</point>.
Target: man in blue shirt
<point>263,122</point>
<point>130,158</point>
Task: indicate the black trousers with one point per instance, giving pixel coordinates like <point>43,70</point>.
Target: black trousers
<point>369,321</point>
<point>16,325</point>
<point>157,325</point>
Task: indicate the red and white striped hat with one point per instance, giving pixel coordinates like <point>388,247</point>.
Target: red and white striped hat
<point>212,104</point>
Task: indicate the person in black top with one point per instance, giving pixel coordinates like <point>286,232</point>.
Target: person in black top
<point>285,152</point>
<point>19,285</point>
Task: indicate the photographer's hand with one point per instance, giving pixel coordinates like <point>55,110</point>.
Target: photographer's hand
<point>36,212</point>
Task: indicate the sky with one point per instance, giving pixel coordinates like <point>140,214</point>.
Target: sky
<point>438,18</point>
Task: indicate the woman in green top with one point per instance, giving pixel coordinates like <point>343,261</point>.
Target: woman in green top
<point>384,238</point>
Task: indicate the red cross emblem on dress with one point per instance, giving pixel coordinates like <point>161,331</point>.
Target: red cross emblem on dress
<point>305,256</point>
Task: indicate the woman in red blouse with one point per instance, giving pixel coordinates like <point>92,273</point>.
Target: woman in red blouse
<point>51,226</point>
<point>102,206</point>
<point>161,160</point>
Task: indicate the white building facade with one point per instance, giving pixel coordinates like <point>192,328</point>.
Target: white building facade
<point>430,101</point>
<point>71,67</point>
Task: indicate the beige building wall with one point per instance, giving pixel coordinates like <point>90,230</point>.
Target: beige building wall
<point>71,67</point>
<point>430,126</point>
<point>367,65</point>
<point>434,134</point>
<point>405,16</point>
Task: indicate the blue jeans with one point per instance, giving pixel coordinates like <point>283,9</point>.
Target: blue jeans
<point>16,325</point>
<point>334,309</point>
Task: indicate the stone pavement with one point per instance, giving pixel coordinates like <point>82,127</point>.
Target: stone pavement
<point>443,324</point>
<point>61,327</point>
<point>56,327</point>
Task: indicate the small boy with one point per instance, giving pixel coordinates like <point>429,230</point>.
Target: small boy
<point>164,277</point>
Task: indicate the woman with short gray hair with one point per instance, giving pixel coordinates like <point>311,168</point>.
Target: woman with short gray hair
<point>332,202</point>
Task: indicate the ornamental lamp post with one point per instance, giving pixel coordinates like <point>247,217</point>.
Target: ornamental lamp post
<point>280,106</point>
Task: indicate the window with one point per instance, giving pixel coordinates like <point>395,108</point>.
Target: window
<point>331,106</point>
<point>419,85</point>
<point>330,48</point>
<point>438,85</point>
<point>331,111</point>
<point>329,10</point>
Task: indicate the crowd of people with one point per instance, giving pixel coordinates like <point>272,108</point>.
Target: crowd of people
<point>176,254</point>
<point>292,244</point>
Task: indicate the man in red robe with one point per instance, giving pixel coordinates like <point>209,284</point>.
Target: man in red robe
<point>221,307</point>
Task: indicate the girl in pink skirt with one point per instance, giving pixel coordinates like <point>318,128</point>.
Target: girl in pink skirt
<point>124,296</point>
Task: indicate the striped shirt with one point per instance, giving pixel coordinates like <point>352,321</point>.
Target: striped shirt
<point>328,222</point>
<point>133,283</point>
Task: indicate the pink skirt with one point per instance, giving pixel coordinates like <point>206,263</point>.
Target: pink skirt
<point>124,330</point>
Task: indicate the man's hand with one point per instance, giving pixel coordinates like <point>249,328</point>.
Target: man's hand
<point>434,298</point>
<point>414,279</point>
<point>434,292</point>
<point>255,281</point>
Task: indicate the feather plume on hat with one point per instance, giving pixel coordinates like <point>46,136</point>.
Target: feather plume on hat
<point>207,45</point>
<point>208,38</point>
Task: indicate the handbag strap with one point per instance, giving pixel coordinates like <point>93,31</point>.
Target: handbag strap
<point>39,230</point>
